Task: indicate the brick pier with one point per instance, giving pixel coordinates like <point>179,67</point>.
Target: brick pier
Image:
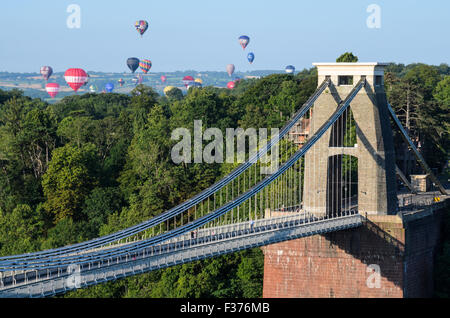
<point>390,256</point>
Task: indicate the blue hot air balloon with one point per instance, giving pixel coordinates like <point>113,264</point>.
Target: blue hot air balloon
<point>250,57</point>
<point>109,87</point>
<point>290,69</point>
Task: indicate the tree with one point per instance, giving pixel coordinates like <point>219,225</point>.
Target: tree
<point>26,140</point>
<point>273,99</point>
<point>38,139</point>
<point>76,130</point>
<point>142,100</point>
<point>100,203</point>
<point>442,96</point>
<point>347,57</point>
<point>250,273</point>
<point>64,233</point>
<point>425,77</point>
<point>175,94</point>
<point>72,174</point>
<point>20,230</point>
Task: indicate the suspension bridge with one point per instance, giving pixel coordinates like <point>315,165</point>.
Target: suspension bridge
<point>336,166</point>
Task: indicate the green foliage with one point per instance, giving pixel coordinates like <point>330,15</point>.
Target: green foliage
<point>425,77</point>
<point>175,94</point>
<point>72,174</point>
<point>65,232</point>
<point>273,99</point>
<point>442,96</point>
<point>347,57</point>
<point>100,203</point>
<point>418,98</point>
<point>20,230</point>
<point>75,129</point>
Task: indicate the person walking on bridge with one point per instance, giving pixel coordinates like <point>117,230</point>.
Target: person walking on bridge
<point>252,223</point>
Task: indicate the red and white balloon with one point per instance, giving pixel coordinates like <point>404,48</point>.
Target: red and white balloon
<point>75,77</point>
<point>52,89</point>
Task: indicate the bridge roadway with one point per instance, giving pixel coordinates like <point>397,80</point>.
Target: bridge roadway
<point>208,242</point>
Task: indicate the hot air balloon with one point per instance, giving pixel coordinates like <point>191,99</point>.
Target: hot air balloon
<point>92,88</point>
<point>75,77</point>
<point>121,81</point>
<point>231,85</point>
<point>141,26</point>
<point>251,57</point>
<point>243,41</point>
<point>109,87</point>
<point>46,72</point>
<point>167,89</point>
<point>52,89</point>
<point>230,69</point>
<point>133,64</point>
<point>145,65</point>
<point>290,69</point>
<point>187,80</point>
<point>163,78</point>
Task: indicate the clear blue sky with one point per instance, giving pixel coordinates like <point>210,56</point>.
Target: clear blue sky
<point>202,34</point>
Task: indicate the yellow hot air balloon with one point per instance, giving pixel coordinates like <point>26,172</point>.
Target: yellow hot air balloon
<point>168,88</point>
<point>199,80</point>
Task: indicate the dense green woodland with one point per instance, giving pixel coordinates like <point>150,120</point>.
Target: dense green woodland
<point>94,164</point>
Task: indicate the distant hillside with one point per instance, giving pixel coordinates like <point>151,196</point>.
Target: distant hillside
<point>33,85</point>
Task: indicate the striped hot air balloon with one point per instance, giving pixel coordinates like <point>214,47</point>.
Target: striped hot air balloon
<point>145,65</point>
<point>46,72</point>
<point>52,89</point>
<point>141,26</point>
<point>75,78</point>
<point>188,80</point>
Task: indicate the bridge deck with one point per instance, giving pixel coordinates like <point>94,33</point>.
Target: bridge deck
<point>208,243</point>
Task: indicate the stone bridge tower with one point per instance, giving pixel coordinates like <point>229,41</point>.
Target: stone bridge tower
<point>374,148</point>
